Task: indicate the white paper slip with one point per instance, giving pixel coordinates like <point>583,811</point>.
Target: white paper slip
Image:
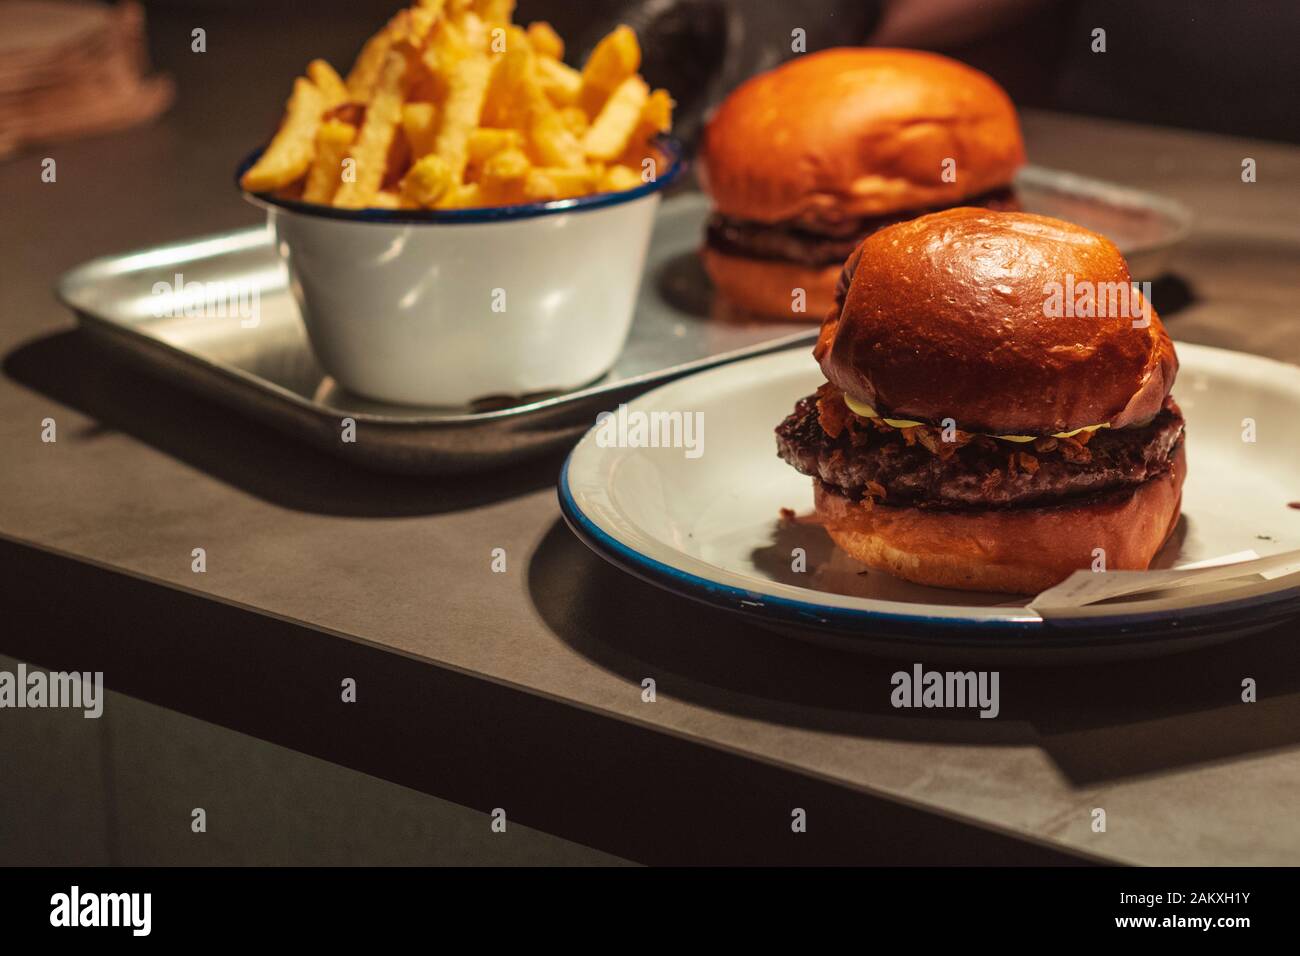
<point>1248,555</point>
<point>1088,587</point>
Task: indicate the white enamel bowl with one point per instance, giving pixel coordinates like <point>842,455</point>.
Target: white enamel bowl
<point>446,307</point>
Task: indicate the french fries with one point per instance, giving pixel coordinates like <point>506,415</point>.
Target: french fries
<point>618,178</point>
<point>423,17</point>
<point>508,95</point>
<point>563,84</point>
<point>427,180</point>
<point>451,105</point>
<point>504,175</point>
<point>364,73</point>
<point>418,126</point>
<point>613,60</point>
<point>609,134</point>
<point>466,196</point>
<point>553,142</point>
<point>385,199</point>
<point>328,82</point>
<point>576,119</point>
<point>485,143</point>
<point>293,148</point>
<point>544,40</point>
<point>325,175</point>
<point>495,11</point>
<point>370,152</point>
<point>545,183</point>
<point>657,117</point>
<point>466,89</point>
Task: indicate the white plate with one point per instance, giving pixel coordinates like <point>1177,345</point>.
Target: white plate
<point>708,527</point>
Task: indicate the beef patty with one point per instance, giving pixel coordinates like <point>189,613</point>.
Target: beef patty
<point>788,242</point>
<point>909,467</point>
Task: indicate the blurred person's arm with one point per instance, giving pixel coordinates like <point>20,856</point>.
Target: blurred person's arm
<point>943,24</point>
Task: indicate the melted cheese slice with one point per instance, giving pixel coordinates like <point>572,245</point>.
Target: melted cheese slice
<point>866,411</point>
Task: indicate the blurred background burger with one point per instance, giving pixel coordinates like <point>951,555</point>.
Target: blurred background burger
<point>804,161</point>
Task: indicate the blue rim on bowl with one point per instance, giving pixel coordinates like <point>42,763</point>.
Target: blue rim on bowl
<point>671,148</point>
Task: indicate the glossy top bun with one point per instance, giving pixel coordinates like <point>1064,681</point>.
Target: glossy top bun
<point>854,132</point>
<point>950,316</point>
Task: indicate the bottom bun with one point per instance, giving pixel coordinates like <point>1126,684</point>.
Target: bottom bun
<point>1016,550</point>
<point>766,286</point>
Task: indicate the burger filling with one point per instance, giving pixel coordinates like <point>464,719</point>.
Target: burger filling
<point>870,460</point>
<point>795,242</point>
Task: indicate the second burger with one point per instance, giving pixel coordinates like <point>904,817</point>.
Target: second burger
<point>805,161</point>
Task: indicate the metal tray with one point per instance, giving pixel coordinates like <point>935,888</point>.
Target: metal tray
<point>269,372</point>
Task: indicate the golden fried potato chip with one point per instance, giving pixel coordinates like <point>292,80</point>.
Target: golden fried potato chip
<point>466,89</point>
<point>423,16</point>
<point>618,178</point>
<point>506,102</point>
<point>503,175</point>
<point>386,199</point>
<point>474,30</point>
<point>544,40</point>
<point>447,45</point>
<point>370,61</point>
<point>465,196</point>
<point>615,58</point>
<point>563,84</point>
<point>370,151</point>
<point>485,143</point>
<point>642,155</point>
<point>294,145</point>
<point>328,82</point>
<point>418,125</point>
<point>657,115</point>
<point>325,176</point>
<point>397,162</point>
<point>495,11</point>
<point>547,182</point>
<point>427,180</point>
<point>575,117</point>
<point>611,131</point>
<point>551,141</point>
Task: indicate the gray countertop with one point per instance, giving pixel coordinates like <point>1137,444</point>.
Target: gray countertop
<point>141,474</point>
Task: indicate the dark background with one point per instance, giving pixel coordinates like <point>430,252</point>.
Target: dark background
<point>1228,66</point>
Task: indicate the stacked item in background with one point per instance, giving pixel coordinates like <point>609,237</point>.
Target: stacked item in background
<point>70,69</point>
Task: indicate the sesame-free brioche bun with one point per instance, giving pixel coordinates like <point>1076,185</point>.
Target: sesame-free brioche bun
<point>1013,550</point>
<point>849,133</point>
<point>765,287</point>
<point>948,316</point>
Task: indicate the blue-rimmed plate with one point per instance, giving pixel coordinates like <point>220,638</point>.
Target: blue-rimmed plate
<point>704,521</point>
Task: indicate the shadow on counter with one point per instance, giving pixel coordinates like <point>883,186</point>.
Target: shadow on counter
<point>1098,722</point>
<point>71,369</point>
<point>445,731</point>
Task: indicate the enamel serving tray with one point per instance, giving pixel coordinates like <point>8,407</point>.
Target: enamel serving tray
<point>269,373</point>
<point>707,524</point>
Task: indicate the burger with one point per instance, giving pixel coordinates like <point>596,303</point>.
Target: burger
<point>804,161</point>
<point>994,416</point>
